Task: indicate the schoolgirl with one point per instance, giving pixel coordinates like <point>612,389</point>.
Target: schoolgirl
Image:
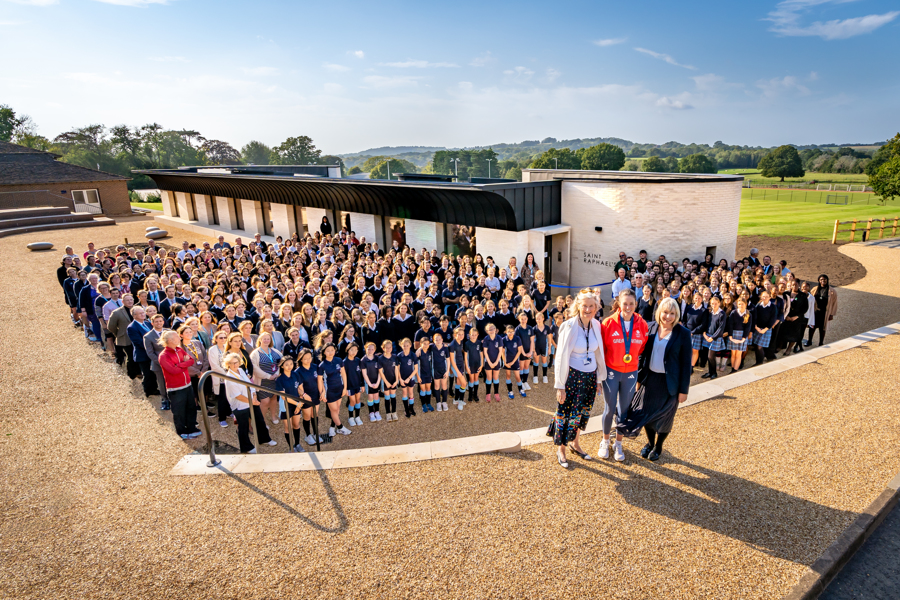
<point>740,326</point>
<point>525,333</point>
<point>311,394</point>
<point>765,315</point>
<point>696,319</point>
<point>390,376</point>
<point>512,353</point>
<point>458,366</point>
<point>440,360</point>
<point>333,384</point>
<point>371,374</point>
<point>474,363</point>
<point>542,335</point>
<point>353,374</point>
<point>288,382</point>
<point>425,361</point>
<point>558,320</point>
<point>714,338</point>
<point>646,304</point>
<point>409,367</point>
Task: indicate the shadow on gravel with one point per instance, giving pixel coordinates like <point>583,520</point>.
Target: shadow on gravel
<point>771,521</point>
<point>335,504</point>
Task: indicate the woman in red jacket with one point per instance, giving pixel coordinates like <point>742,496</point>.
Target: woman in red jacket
<point>175,361</point>
<point>624,338</point>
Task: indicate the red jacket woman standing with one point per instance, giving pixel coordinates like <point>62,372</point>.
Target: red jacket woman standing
<point>175,361</point>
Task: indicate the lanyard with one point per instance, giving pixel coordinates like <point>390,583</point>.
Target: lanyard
<point>587,336</point>
<point>626,336</point>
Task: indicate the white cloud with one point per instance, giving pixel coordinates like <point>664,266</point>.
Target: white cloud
<point>35,3</point>
<point>665,57</point>
<point>335,67</point>
<point>168,59</point>
<point>609,42</point>
<point>713,83</point>
<point>357,53</point>
<point>666,102</point>
<point>418,64</point>
<point>813,76</point>
<point>781,85</point>
<point>138,3</point>
<point>552,74</point>
<point>380,81</point>
<point>519,74</point>
<point>260,71</point>
<point>465,85</point>
<point>787,16</point>
<point>482,59</point>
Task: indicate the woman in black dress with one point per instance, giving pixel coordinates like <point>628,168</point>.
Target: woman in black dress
<point>794,325</point>
<point>664,376</point>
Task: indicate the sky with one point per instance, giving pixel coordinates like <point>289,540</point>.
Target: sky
<point>355,75</point>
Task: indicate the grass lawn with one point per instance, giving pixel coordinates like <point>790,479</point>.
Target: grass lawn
<point>757,178</point>
<point>775,218</point>
<point>150,205</point>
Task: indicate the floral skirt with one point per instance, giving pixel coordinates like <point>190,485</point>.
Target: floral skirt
<point>573,414</point>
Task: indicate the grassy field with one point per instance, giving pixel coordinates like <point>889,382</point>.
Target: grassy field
<point>815,221</point>
<point>150,205</point>
<point>814,197</point>
<point>756,177</point>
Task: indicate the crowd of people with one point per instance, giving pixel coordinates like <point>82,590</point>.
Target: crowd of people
<point>329,319</point>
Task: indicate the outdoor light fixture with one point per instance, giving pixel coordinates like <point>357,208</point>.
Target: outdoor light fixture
<point>598,229</point>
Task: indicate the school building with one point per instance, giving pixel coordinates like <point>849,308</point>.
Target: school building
<point>575,222</point>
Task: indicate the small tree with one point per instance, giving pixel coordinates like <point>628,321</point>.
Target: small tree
<point>602,157</point>
<point>654,164</point>
<point>256,153</point>
<point>886,180</point>
<point>783,161</point>
<point>381,169</point>
<point>697,163</point>
<point>297,151</point>
<point>565,159</point>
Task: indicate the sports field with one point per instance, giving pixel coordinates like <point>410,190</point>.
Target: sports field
<point>149,205</point>
<point>775,218</point>
<point>756,177</point>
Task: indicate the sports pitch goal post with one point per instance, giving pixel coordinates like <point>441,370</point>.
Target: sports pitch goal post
<point>837,199</point>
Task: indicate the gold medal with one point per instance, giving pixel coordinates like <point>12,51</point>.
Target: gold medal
<point>626,359</point>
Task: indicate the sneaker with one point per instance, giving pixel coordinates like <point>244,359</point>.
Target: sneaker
<point>310,440</point>
<point>395,416</point>
<point>359,420</point>
<point>445,406</point>
<point>271,443</point>
<point>620,452</point>
<point>511,395</point>
<point>497,397</point>
<point>525,386</point>
<point>223,424</point>
<point>412,411</point>
<point>460,406</point>
<point>299,448</point>
<point>251,451</point>
<point>372,418</point>
<point>275,421</point>
<point>440,407</point>
<point>331,432</point>
<point>487,398</point>
<point>534,380</point>
<point>603,450</point>
<point>344,431</point>
<point>196,434</point>
<point>377,415</point>
<point>545,379</point>
<point>522,392</point>
<point>185,436</point>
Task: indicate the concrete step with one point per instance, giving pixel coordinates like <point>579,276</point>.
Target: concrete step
<point>24,213</point>
<point>9,222</point>
<point>96,222</point>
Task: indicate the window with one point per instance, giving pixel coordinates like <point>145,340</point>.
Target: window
<point>86,197</point>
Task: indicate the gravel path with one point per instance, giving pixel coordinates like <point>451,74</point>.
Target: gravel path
<point>751,488</point>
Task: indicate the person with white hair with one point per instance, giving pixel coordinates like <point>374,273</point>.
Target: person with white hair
<point>580,371</point>
<point>664,376</point>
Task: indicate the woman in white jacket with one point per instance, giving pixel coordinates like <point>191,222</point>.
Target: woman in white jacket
<point>580,371</point>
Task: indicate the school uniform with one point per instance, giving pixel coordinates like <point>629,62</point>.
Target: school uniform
<point>353,370</point>
<point>765,318</point>
<point>696,320</point>
<point>716,330</point>
<point>330,371</point>
<point>739,331</point>
<point>440,360</point>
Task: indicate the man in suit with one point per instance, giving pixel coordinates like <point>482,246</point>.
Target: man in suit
<point>118,322</point>
<point>136,330</point>
<point>152,349</point>
<point>165,307</point>
<point>754,257</point>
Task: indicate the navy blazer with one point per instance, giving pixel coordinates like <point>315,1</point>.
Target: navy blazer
<point>136,335</point>
<point>677,359</point>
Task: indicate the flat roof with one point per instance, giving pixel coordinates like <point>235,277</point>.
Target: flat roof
<point>631,176</point>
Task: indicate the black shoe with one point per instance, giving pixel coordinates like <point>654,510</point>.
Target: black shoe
<point>807,343</point>
<point>653,456</point>
<point>166,405</point>
<point>704,376</point>
<point>646,450</point>
<point>713,376</point>
<point>412,411</point>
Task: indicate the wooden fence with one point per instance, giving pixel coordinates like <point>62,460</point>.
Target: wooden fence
<point>867,231</point>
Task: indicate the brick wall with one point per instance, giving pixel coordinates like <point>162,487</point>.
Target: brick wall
<point>113,194</point>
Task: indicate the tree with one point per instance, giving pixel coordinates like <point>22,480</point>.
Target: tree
<point>256,153</point>
<point>632,165</point>
<point>884,154</point>
<point>514,173</point>
<point>331,160</point>
<point>699,163</point>
<point>126,140</point>
<point>472,163</point>
<point>602,157</point>
<point>654,164</point>
<point>671,164</point>
<point>381,169</point>
<point>565,159</point>
<point>783,161</point>
<point>354,170</point>
<point>220,153</point>
<point>297,151</point>
<point>8,122</point>
<point>886,180</point>
<point>373,161</point>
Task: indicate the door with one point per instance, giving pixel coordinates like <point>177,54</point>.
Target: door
<point>559,257</point>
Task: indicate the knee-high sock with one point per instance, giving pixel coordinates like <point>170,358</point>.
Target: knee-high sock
<point>444,393</point>
<point>534,368</point>
<point>297,437</point>
<point>509,386</point>
<point>651,435</point>
<point>760,355</point>
<point>660,438</point>
<point>307,427</point>
<point>712,363</point>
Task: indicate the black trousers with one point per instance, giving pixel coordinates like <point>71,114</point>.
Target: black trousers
<point>243,422</point>
<point>223,409</point>
<point>184,410</point>
<point>161,385</point>
<point>124,355</point>
<point>149,380</point>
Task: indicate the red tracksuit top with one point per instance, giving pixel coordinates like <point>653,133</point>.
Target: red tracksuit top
<point>175,365</point>
<point>614,343</point>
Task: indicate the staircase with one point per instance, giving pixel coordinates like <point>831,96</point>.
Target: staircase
<point>27,220</point>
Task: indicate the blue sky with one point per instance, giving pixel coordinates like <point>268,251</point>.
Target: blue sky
<point>358,75</point>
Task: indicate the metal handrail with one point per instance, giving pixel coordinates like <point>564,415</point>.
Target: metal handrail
<point>213,461</point>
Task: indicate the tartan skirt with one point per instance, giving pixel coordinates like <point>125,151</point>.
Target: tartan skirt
<point>696,341</point>
<point>737,342</point>
<point>763,340</point>
<point>715,345</point>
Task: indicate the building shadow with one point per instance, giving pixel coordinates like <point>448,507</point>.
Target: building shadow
<point>770,521</point>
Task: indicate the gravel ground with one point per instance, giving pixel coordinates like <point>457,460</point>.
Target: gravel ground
<point>751,489</point>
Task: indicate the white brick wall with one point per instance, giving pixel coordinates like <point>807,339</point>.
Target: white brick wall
<point>365,226</point>
<point>423,234</point>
